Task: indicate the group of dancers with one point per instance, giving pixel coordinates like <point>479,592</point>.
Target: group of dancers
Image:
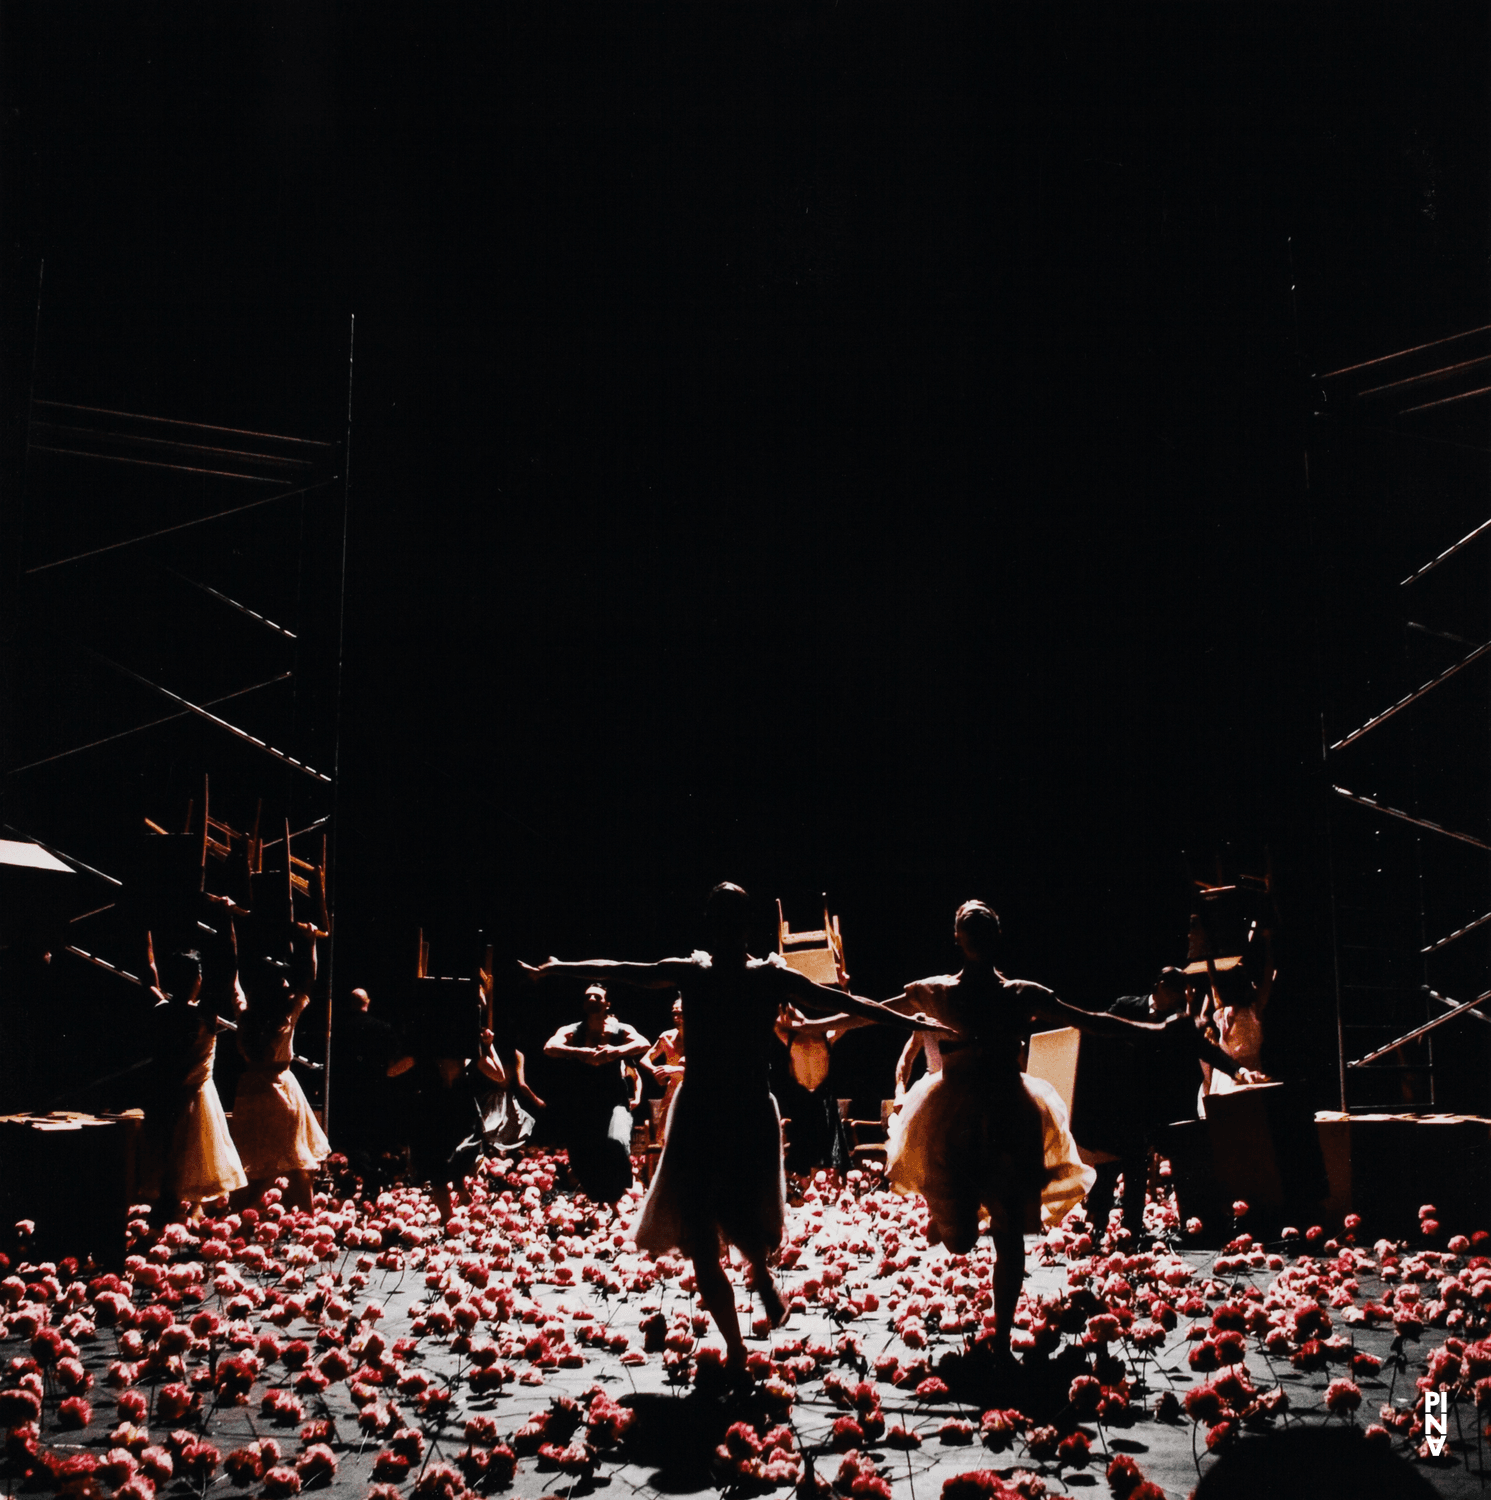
<point>987,1146</point>
<point>237,965</point>
<point>981,1142</point>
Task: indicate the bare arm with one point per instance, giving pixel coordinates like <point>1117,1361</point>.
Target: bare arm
<point>522,1082</point>
<point>830,1028</point>
<point>558,1047</point>
<point>632,1046</point>
<point>1047,1007</point>
<point>489,1063</point>
<point>666,974</point>
<point>822,997</point>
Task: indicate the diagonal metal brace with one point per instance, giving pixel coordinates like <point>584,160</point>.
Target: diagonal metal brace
<point>213,718</point>
<point>1475,1015</point>
<point>1393,812</point>
<point>1455,936</point>
<point>1413,697</point>
<point>1457,1008</point>
<point>1448,552</point>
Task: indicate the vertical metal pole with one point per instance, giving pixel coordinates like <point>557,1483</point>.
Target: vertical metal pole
<point>336,751</point>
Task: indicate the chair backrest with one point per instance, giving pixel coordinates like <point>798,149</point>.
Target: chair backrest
<point>1053,1057</point>
<point>817,953</point>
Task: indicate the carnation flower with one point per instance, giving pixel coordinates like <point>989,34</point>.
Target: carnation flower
<point>74,1412</point>
<point>281,1480</point>
<point>316,1464</point>
<point>978,1484</point>
<point>18,1407</point>
<point>1074,1449</point>
<point>244,1466</point>
<point>1342,1397</point>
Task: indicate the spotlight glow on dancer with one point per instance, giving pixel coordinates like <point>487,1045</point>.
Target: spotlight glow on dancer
<point>720,1180</point>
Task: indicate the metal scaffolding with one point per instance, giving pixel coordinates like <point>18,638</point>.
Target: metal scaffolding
<point>181,565</point>
<point>1397,471</point>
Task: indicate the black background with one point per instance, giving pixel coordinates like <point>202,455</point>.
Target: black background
<point>836,448</point>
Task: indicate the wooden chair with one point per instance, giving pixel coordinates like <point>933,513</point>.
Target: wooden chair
<point>817,954</point>
<point>867,1138</point>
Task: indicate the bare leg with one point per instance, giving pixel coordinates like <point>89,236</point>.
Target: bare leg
<point>441,1193</point>
<point>718,1296</point>
<point>251,1196</point>
<point>766,1289</point>
<point>298,1190</point>
<point>1006,1229</point>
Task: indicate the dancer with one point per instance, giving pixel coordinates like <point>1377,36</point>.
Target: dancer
<point>970,1138</point>
<point>597,1112</point>
<point>1139,1086</point>
<point>720,1179</point>
<point>665,1059</point>
<point>187,1152</point>
<point>276,1133</point>
<point>505,1123</point>
<point>800,1069</point>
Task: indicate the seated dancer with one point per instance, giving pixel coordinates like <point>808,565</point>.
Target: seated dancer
<point>187,1154</point>
<point>664,1059</point>
<point>505,1123</point>
<point>597,1110</point>
<point>276,1133</point>
<point>1143,1084</point>
<point>971,1138</point>
<point>720,1179</point>
<point>1231,1010</point>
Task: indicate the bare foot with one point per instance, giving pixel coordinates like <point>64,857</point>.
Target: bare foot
<point>777,1312</point>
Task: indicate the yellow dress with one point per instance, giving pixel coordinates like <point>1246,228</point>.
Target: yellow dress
<point>273,1125</point>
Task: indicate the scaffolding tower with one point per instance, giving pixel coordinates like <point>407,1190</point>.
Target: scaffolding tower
<point>1398,464</point>
<point>181,611</point>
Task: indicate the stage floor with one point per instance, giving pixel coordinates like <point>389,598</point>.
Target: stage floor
<point>553,1320</point>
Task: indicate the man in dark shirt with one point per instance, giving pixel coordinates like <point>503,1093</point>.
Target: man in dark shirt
<point>595,1094</point>
<point>1139,1086</point>
<point>364,1113</point>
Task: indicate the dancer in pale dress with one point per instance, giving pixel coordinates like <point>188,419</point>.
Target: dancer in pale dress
<point>1068,1178</point>
<point>187,1153</point>
<point>276,1132</point>
<point>720,1180</point>
<point>971,1137</point>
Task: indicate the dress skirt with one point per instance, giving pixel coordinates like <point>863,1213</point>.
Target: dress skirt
<point>720,1179</point>
<point>274,1127</point>
<point>970,1146</point>
<point>188,1154</point>
<point>206,1166</point>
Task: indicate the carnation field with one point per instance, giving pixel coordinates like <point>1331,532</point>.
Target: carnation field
<point>530,1351</point>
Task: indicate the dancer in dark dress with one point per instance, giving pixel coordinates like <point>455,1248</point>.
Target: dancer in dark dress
<point>720,1179</point>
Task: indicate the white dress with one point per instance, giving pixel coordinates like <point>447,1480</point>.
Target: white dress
<point>948,1105</point>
